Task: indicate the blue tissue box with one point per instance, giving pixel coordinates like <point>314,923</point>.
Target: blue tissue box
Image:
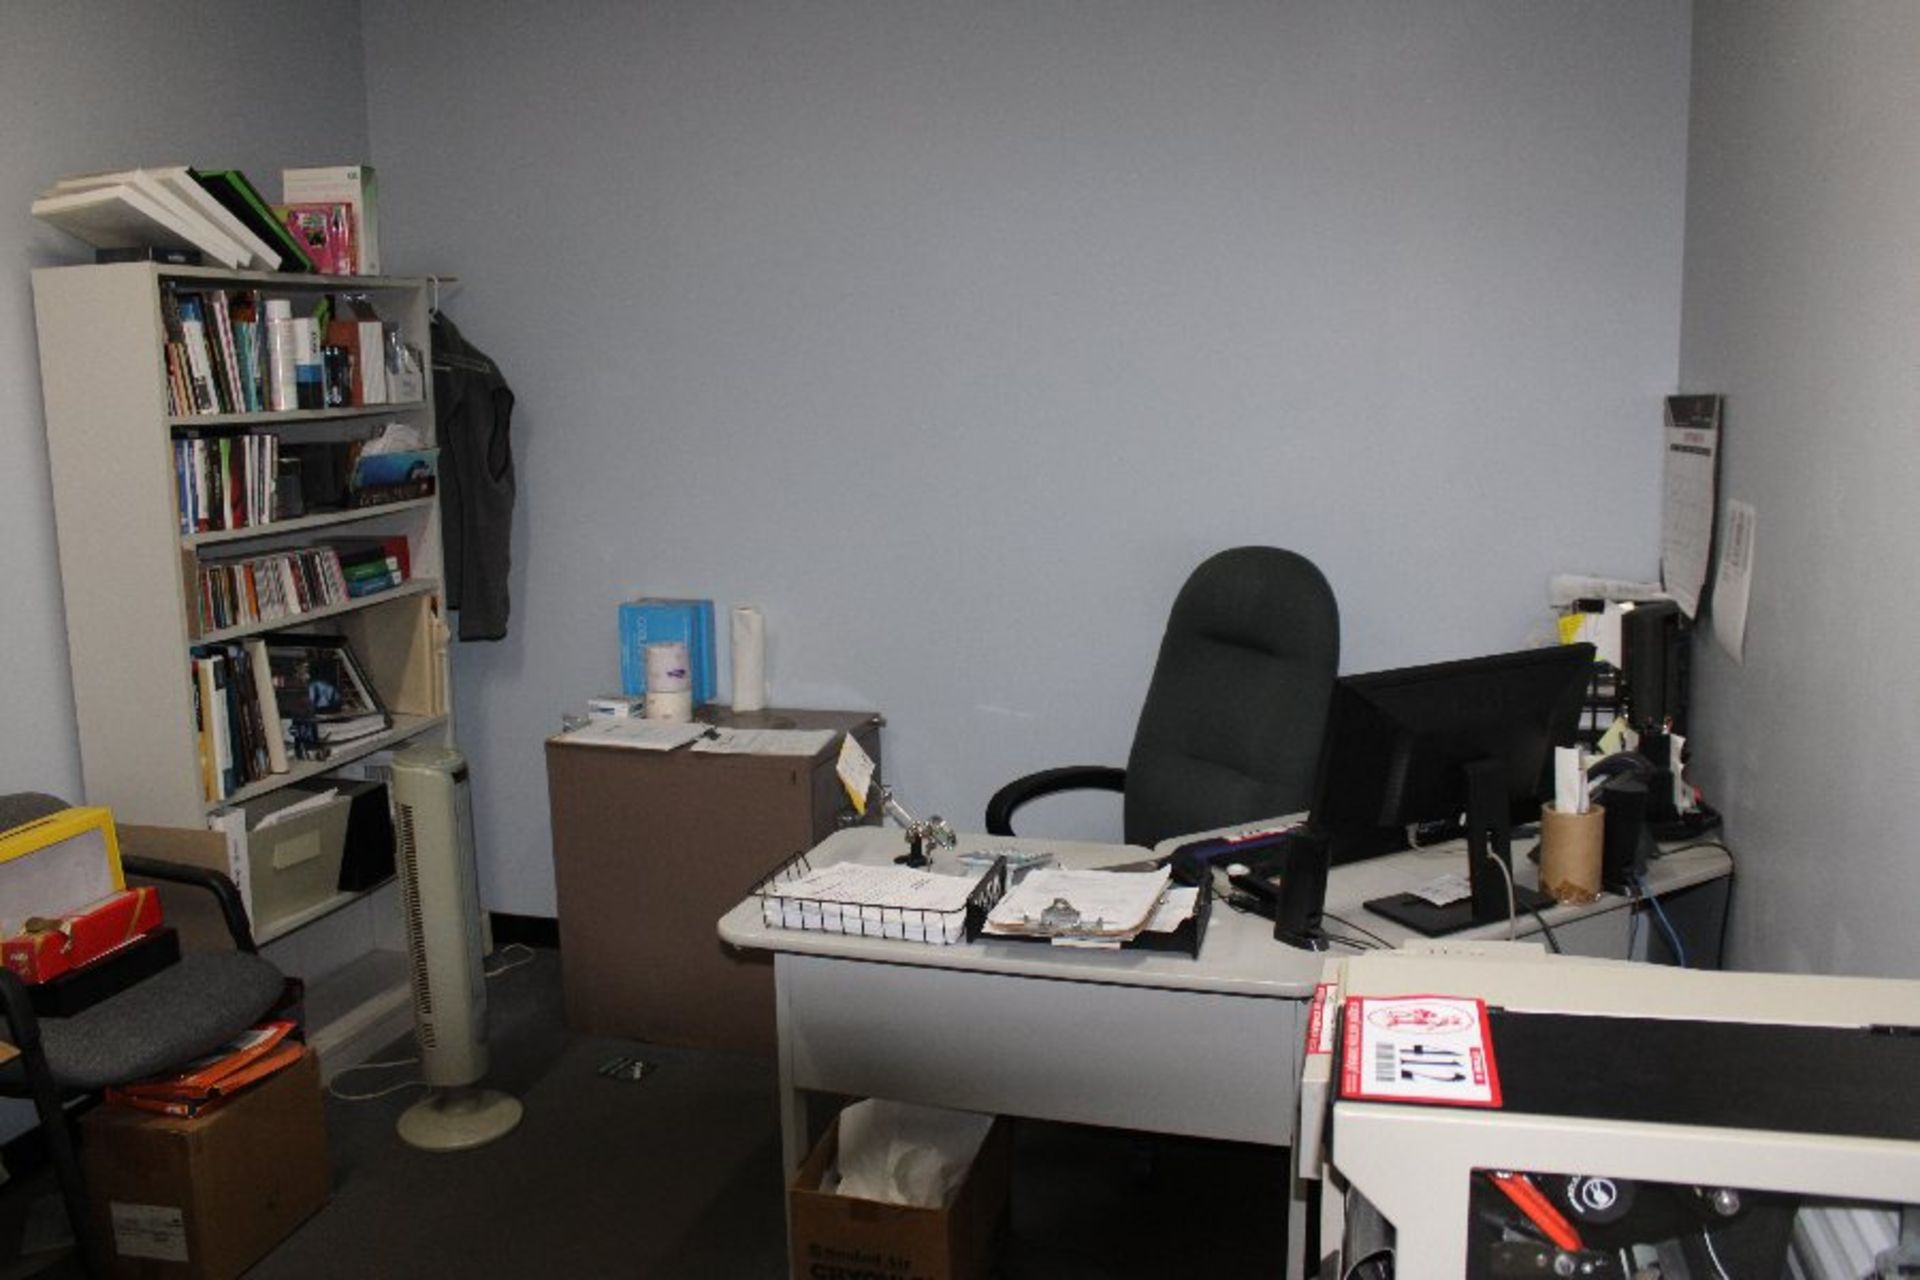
<point>656,621</point>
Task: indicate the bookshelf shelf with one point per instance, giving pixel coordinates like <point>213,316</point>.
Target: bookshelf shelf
<point>405,729</point>
<point>129,575</point>
<point>300,524</point>
<point>292,417</point>
<point>275,929</point>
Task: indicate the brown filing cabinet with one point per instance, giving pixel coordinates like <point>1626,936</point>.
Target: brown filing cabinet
<point>651,848</point>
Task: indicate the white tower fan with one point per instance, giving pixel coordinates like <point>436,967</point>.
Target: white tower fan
<point>439,892</point>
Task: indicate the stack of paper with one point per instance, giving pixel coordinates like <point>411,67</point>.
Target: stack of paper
<point>643,735</point>
<point>1091,908</point>
<point>872,901</point>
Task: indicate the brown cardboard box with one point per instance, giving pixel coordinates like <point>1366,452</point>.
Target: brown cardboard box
<point>206,1198</point>
<point>830,1237</point>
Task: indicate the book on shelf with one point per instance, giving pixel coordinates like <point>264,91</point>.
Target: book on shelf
<point>233,717</point>
<point>322,694</point>
<point>371,565</point>
<point>132,210</point>
<point>268,702</point>
<point>210,677</point>
<point>356,328</point>
<point>349,184</point>
<point>226,480</point>
<point>271,586</point>
<point>230,351</point>
<point>178,182</point>
<point>231,188</point>
<point>326,232</point>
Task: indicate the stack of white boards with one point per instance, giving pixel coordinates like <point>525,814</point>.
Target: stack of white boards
<point>165,208</point>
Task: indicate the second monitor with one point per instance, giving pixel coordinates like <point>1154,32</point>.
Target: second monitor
<point>1432,743</point>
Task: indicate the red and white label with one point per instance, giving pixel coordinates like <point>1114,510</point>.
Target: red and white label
<point>1319,1024</point>
<point>1433,1049</point>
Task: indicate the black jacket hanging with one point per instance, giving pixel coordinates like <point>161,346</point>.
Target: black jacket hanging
<point>473,411</point>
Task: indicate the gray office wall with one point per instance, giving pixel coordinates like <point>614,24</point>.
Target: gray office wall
<point>108,86</point>
<point>1802,304</point>
<point>244,83</point>
<point>954,335</point>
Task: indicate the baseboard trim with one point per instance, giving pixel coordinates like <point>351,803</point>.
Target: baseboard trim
<point>531,931</point>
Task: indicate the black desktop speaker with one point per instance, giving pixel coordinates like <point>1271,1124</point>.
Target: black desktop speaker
<point>1656,656</point>
<point>1303,891</point>
<point>1624,840</point>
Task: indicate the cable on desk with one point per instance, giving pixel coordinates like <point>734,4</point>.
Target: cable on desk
<point>1726,911</point>
<point>1346,923</point>
<point>1666,925</point>
<point>1513,903</point>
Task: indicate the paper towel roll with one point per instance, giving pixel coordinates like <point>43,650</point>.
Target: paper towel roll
<point>749,659</point>
<point>676,707</point>
<point>668,670</point>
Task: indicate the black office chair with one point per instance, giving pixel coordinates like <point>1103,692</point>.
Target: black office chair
<point>1230,731</point>
<point>181,1013</point>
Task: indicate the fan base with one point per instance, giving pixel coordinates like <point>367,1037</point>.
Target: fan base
<point>459,1119</point>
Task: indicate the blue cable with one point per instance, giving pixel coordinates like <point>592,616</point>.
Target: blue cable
<point>1666,925</point>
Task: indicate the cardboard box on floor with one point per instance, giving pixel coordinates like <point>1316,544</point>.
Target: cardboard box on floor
<point>831,1236</point>
<point>206,1198</point>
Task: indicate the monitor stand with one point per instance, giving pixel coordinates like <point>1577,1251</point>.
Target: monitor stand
<point>1303,891</point>
<point>1489,837</point>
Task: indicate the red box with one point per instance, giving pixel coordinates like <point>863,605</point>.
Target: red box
<point>82,936</point>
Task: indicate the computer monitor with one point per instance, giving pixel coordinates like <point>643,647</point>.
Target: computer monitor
<point>1433,743</point>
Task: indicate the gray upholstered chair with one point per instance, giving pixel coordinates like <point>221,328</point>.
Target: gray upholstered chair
<point>1230,731</point>
<point>184,1011</point>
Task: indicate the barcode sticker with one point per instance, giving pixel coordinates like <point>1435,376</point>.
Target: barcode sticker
<point>149,1231</point>
<point>1434,1049</point>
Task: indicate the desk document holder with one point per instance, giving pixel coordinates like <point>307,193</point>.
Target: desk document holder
<point>913,924</point>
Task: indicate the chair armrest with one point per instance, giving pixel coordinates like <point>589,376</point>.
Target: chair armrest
<point>23,1025</point>
<point>1073,777</point>
<point>220,886</point>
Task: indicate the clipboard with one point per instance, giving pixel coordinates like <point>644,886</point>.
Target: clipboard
<point>1185,939</point>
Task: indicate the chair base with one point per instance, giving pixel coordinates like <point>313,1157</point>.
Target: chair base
<point>459,1119</point>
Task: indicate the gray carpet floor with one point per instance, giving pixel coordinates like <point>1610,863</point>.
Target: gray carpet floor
<point>678,1175</point>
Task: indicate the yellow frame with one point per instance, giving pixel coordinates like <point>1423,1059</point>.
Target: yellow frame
<point>56,828</point>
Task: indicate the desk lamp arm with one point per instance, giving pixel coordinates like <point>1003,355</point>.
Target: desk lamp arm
<point>935,831</point>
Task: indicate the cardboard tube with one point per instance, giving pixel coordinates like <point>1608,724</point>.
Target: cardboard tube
<point>1570,845</point>
<point>749,659</point>
<point>668,670</point>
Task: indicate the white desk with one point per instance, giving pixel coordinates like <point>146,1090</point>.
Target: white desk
<point>1207,1047</point>
<point>1132,1039</point>
<point>1414,1163</point>
<point>1601,928</point>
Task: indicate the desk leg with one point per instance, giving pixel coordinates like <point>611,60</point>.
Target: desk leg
<point>1297,1228</point>
<point>793,1101</point>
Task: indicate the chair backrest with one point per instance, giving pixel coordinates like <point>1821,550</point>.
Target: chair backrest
<point>1231,727</point>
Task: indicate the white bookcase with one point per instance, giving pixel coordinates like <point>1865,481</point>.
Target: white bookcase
<point>130,575</point>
